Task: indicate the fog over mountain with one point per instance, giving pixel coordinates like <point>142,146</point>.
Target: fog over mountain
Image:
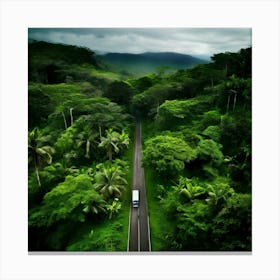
<point>144,63</point>
<point>199,42</point>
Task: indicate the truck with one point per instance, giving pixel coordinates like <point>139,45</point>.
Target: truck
<point>135,198</point>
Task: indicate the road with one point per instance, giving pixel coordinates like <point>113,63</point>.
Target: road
<point>139,231</point>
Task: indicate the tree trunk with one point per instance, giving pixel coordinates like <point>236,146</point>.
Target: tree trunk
<point>71,115</point>
<point>234,102</point>
<point>38,177</point>
<point>110,152</point>
<point>228,102</point>
<point>157,110</point>
<point>87,148</point>
<point>64,119</point>
<point>100,132</point>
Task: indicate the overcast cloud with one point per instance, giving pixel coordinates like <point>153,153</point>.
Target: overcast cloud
<point>202,42</point>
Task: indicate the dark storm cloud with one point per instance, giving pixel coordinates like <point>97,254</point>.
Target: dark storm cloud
<point>195,41</point>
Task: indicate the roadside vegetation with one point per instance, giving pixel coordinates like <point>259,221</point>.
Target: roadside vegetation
<point>80,153</point>
<point>196,126</point>
<point>197,156</point>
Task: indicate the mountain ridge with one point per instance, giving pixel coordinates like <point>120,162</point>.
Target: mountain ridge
<point>147,62</point>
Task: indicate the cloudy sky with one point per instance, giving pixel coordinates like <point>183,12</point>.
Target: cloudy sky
<point>201,42</point>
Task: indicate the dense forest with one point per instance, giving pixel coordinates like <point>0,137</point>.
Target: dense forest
<point>196,128</point>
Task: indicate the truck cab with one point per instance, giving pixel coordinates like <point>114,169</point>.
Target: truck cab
<point>135,198</point>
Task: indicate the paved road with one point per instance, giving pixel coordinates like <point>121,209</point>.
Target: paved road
<point>139,231</point>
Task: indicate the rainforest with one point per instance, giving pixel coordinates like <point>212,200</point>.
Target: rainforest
<point>194,127</point>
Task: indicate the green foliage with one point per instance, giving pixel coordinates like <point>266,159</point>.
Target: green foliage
<point>87,138</point>
<point>167,154</point>
<point>114,141</point>
<point>211,118</point>
<point>218,193</point>
<point>148,101</point>
<point>114,207</point>
<point>181,111</point>
<point>38,152</point>
<point>81,140</point>
<point>39,106</point>
<point>190,189</point>
<point>222,221</point>
<point>66,141</point>
<point>197,131</point>
<point>193,225</point>
<point>103,115</point>
<point>232,227</point>
<point>142,83</point>
<point>176,108</point>
<point>191,215</point>
<point>70,200</point>
<point>207,75</point>
<point>95,240</point>
<point>213,132</point>
<point>210,171</point>
<point>36,148</point>
<point>46,60</point>
<point>235,132</point>
<point>210,150</point>
<point>110,181</point>
<point>58,92</point>
<point>119,92</point>
<point>235,94</point>
<point>53,174</point>
<point>234,63</point>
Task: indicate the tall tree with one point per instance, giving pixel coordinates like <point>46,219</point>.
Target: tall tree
<point>167,154</point>
<point>114,142</point>
<point>71,200</point>
<point>37,151</point>
<point>110,181</point>
<point>119,92</point>
<point>86,137</point>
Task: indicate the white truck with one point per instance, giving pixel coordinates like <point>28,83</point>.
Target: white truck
<point>135,198</point>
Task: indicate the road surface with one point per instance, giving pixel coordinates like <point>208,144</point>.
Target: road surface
<point>139,231</point>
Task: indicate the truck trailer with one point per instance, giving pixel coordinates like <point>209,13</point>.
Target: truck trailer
<point>135,198</point>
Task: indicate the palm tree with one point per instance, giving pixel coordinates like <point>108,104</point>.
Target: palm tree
<point>114,207</point>
<point>114,141</point>
<point>87,137</point>
<point>94,204</point>
<point>110,181</point>
<point>110,142</point>
<point>71,115</point>
<point>64,120</point>
<point>124,139</point>
<point>37,151</point>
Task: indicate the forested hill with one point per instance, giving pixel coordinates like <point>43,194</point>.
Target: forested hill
<point>196,135</point>
<point>141,64</point>
<point>48,62</point>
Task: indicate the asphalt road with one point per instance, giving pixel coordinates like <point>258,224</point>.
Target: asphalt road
<point>139,231</point>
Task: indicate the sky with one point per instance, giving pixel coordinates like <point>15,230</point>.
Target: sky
<point>200,42</point>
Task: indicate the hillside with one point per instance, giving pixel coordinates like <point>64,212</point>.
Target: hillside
<point>196,127</point>
<point>141,64</point>
<point>48,62</point>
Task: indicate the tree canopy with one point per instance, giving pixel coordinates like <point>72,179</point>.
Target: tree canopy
<point>196,126</point>
<point>167,153</point>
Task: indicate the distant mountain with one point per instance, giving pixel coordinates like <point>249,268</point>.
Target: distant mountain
<point>140,64</point>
